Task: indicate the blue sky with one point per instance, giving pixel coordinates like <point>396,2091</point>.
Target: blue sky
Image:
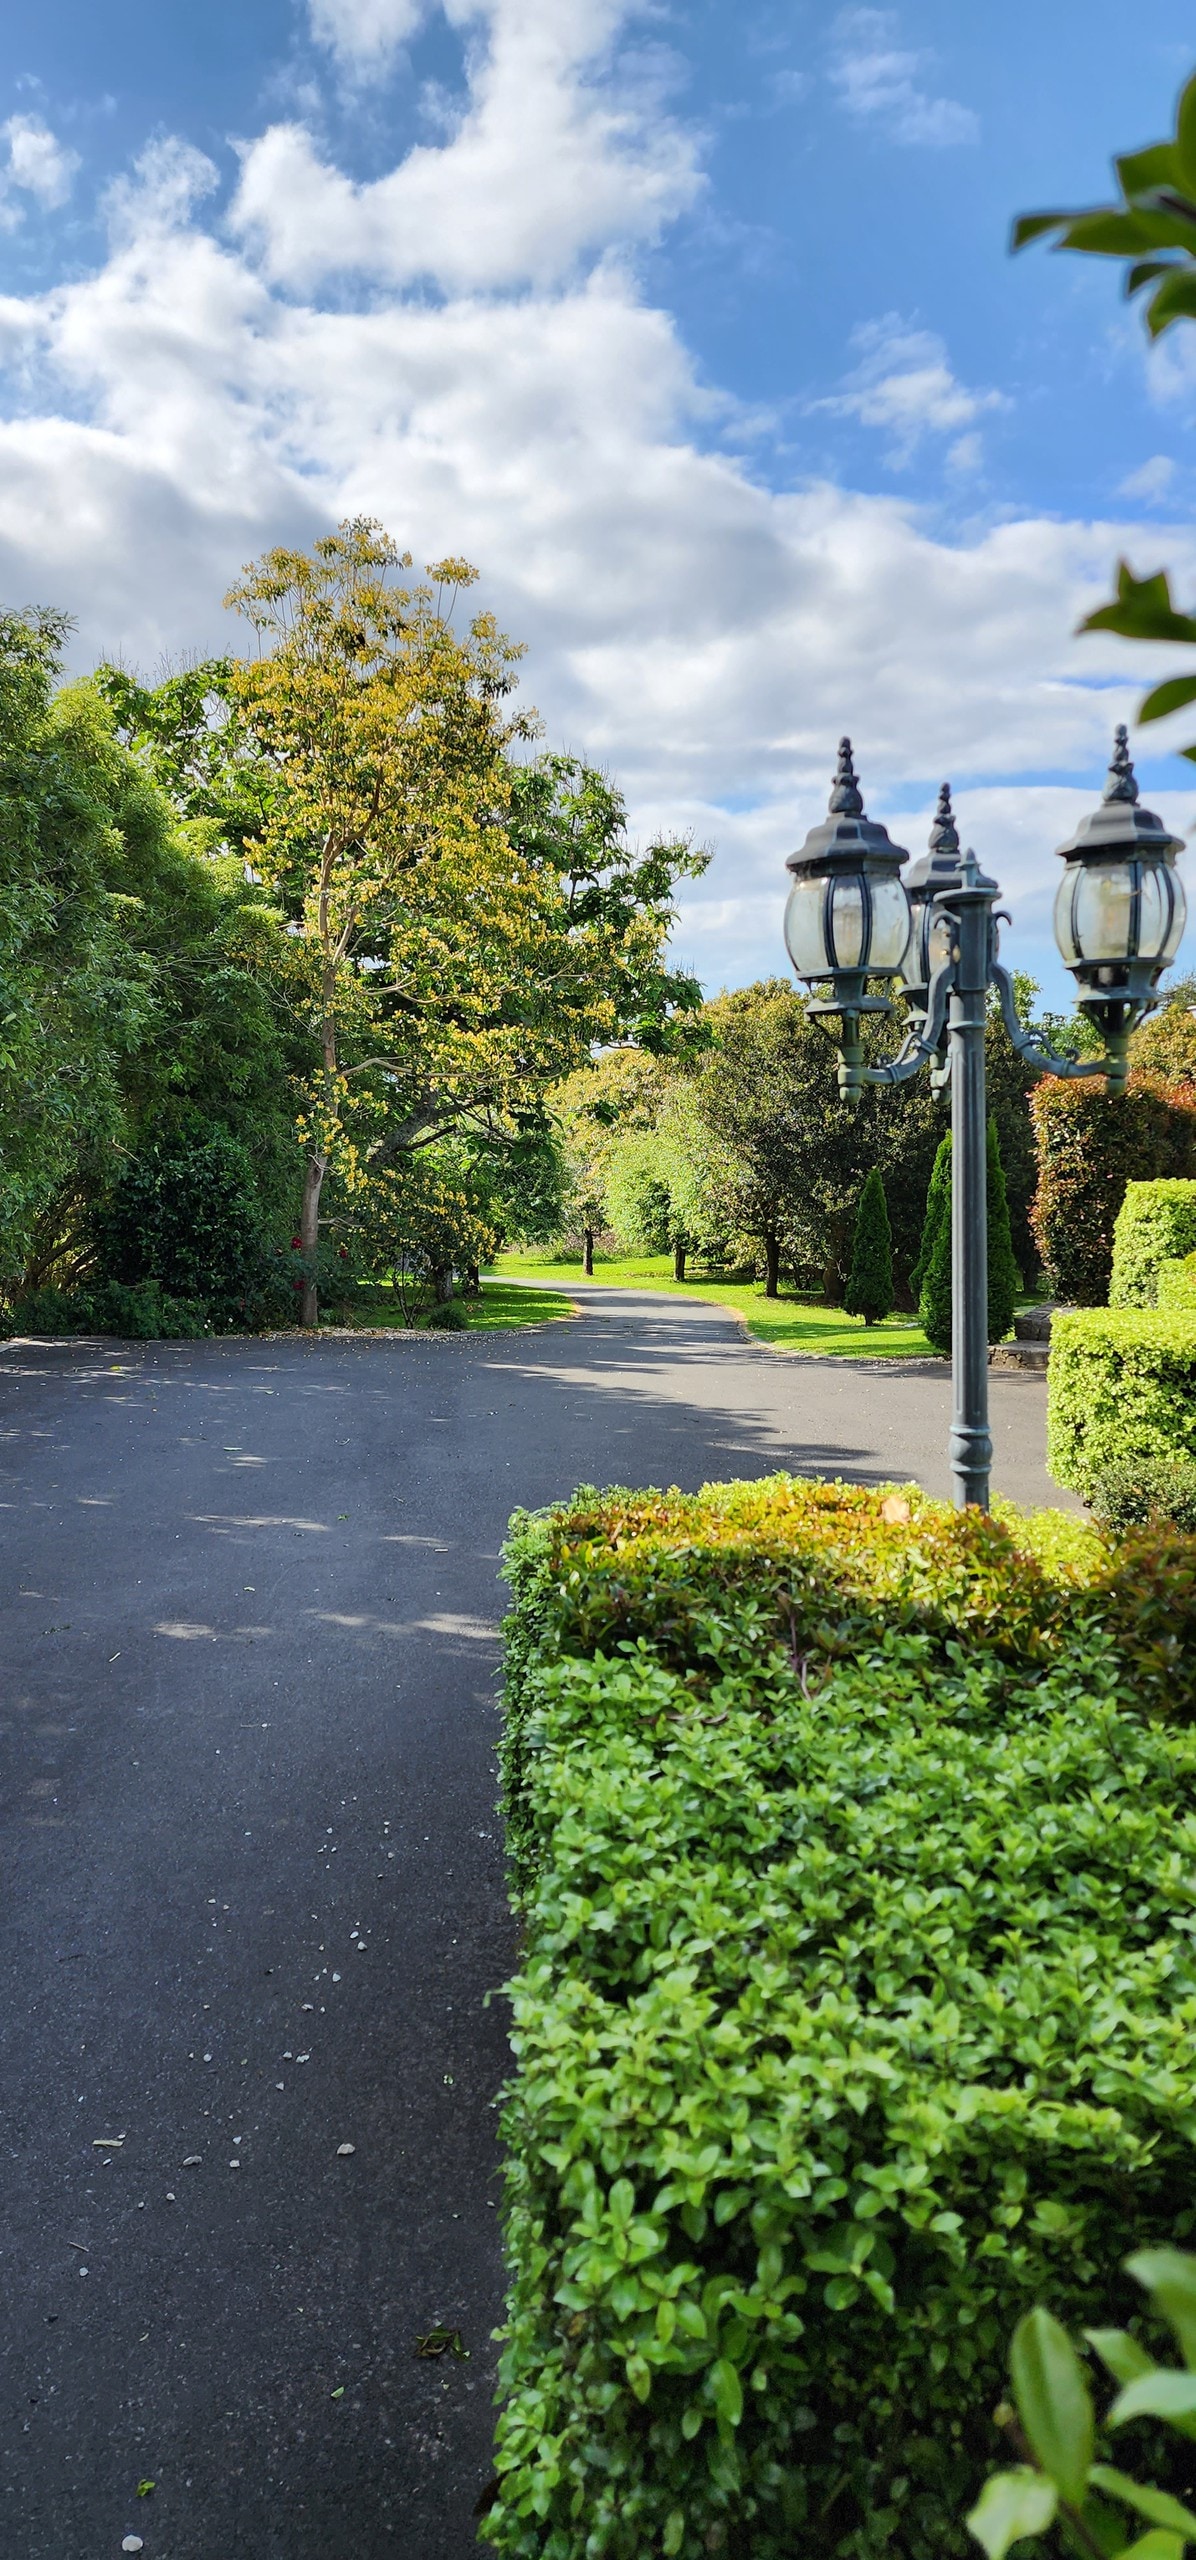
<point>693,325</point>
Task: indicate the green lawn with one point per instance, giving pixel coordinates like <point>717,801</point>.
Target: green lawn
<point>788,1323</point>
<point>498,1310</point>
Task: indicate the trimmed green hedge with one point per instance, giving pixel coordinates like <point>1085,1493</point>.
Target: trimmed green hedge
<point>1121,1384</point>
<point>858,2008</point>
<point>1155,1223</point>
<point>1177,1282</point>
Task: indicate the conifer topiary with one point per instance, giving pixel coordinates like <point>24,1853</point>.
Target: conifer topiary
<point>934,1259</point>
<point>870,1281</point>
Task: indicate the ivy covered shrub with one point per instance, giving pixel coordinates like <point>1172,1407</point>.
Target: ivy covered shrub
<point>1121,1386</point>
<point>858,2004</point>
<point>1090,1144</point>
<point>1156,1223</point>
<point>1177,1283</point>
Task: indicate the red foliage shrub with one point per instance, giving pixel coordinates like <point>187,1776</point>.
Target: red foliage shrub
<point>1090,1144</point>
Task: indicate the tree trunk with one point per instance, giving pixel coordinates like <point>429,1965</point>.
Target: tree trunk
<point>679,1262</point>
<point>309,1229</point>
<point>473,1281</point>
<point>587,1261</point>
<point>772,1265</point>
<point>442,1282</point>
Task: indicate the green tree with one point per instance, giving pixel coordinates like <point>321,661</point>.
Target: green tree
<point>869,1290</point>
<point>1004,1279</point>
<point>475,927</point>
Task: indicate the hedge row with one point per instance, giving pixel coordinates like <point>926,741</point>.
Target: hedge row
<point>1121,1387</point>
<point>1090,1144</point>
<point>853,1839</point>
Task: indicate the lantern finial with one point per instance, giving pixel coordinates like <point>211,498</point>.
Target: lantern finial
<point>944,838</point>
<point>1121,783</point>
<point>846,800</point>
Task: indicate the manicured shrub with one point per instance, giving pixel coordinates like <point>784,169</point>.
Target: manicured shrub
<point>1156,1223</point>
<point>869,1290</point>
<point>857,2009</point>
<point>938,1212</point>
<point>1090,1144</point>
<point>447,1316</point>
<point>1129,1492</point>
<point>1177,1283</point>
<point>1004,1279</point>
<point>1121,1386</point>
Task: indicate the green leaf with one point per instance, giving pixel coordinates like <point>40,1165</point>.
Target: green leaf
<point>1144,271</point>
<point>728,2391</point>
<point>1031,226</point>
<point>1053,2401</point>
<point>1155,2504</point>
<point>1157,166</point>
<point>1161,2394</point>
<point>1169,2275</point>
<point>1143,609</point>
<point>1105,233</point>
<point>1185,134</point>
<point>1167,697</point>
<point>1120,2354</point>
<point>1154,2546</point>
<point>1010,2506</point>
<point>674,2532</point>
<point>1174,300</point>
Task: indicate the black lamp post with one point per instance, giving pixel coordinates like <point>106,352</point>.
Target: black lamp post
<point>851,918</point>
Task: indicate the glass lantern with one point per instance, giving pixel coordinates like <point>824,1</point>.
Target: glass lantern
<point>1120,910</point>
<point>847,918</point>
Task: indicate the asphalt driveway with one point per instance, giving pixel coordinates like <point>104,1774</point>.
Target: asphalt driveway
<point>253,1897</point>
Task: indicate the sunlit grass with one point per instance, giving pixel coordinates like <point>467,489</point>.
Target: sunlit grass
<point>499,1309</point>
<point>788,1323</point>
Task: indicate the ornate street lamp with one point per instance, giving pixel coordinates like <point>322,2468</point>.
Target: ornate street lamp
<point>852,922</point>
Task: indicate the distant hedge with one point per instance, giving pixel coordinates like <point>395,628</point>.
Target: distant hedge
<point>1121,1384</point>
<point>858,2006</point>
<point>1156,1223</point>
<point>1090,1145</point>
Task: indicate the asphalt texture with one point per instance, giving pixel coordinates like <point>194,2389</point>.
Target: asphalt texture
<point>253,1895</point>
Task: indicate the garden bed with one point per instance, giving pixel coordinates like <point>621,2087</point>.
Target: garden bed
<point>853,1840</point>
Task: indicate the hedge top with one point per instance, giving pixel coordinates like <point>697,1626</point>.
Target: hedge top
<point>1156,1221</point>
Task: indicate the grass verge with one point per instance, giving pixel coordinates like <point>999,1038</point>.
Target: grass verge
<point>500,1309</point>
<point>787,1323</point>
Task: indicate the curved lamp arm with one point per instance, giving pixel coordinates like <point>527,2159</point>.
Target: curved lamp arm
<point>1046,1062</point>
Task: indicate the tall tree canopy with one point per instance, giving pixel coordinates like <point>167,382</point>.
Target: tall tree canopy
<point>473,927</point>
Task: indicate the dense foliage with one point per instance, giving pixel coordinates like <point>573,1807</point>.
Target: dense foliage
<point>869,1291</point>
<point>1156,1223</point>
<point>856,2004</point>
<point>1177,1283</point>
<point>1121,1388</point>
<point>933,1267</point>
<point>1090,1144</point>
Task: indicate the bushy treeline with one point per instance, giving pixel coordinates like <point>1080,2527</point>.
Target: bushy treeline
<point>736,1149</point>
<point>292,951</point>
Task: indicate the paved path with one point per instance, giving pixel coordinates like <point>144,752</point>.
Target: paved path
<point>253,1889</point>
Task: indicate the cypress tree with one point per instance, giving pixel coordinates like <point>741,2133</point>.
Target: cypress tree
<point>870,1282</point>
<point>938,1211</point>
<point>934,1260</point>
<point>1004,1278</point>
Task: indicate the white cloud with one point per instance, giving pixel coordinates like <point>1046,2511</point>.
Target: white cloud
<point>36,163</point>
<point>705,636</point>
<point>554,157</point>
<point>878,82</point>
<point>363,34</point>
<point>1151,480</point>
<point>904,385</point>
